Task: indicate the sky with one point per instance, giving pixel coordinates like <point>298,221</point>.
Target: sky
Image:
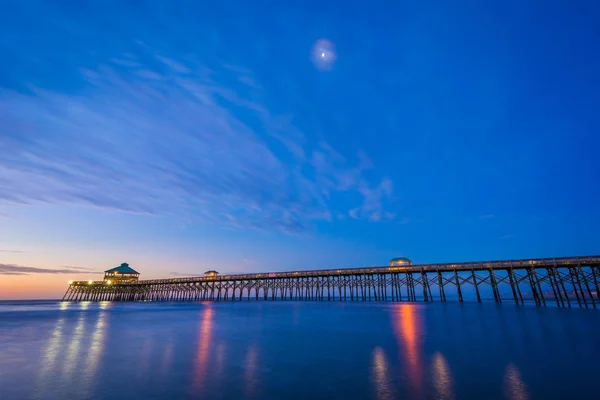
<point>181,136</point>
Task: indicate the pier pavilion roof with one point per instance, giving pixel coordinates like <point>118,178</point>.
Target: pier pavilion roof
<point>123,269</point>
<point>400,259</point>
<point>210,272</point>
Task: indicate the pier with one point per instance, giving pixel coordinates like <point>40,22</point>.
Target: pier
<point>564,282</point>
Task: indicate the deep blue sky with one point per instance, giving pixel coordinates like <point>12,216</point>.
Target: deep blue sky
<point>198,135</point>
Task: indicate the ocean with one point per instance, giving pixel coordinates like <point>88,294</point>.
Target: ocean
<point>297,350</point>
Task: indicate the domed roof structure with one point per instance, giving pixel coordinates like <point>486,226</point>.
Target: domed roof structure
<point>399,261</point>
<point>122,269</point>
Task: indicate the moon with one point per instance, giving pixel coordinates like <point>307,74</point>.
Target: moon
<point>323,54</point>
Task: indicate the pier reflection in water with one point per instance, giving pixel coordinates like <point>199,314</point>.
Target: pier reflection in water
<point>295,351</point>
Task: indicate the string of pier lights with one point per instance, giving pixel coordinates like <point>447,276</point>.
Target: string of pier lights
<point>108,282</point>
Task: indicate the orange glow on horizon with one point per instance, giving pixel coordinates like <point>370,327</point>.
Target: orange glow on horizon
<point>36,286</point>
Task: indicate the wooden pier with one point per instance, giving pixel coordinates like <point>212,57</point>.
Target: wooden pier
<point>564,282</point>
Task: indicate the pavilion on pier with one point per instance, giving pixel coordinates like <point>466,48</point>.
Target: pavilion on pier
<point>121,274</point>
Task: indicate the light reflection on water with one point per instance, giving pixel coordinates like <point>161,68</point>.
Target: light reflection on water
<point>204,342</point>
<point>381,378</point>
<point>251,371</point>
<point>442,378</point>
<point>407,329</point>
<point>515,388</point>
<point>74,352</point>
<point>296,350</point>
<point>219,358</point>
<point>94,352</point>
<point>167,359</point>
<point>143,365</point>
<point>51,354</point>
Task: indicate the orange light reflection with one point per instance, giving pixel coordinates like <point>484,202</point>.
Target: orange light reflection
<point>203,352</point>
<point>407,326</point>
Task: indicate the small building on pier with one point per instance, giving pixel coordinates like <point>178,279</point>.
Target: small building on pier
<point>211,273</point>
<point>400,262</point>
<point>121,274</point>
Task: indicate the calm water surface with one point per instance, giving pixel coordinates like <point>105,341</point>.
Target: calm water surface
<point>289,350</point>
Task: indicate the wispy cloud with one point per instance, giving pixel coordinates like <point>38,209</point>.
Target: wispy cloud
<point>79,268</point>
<point>10,251</point>
<point>11,269</point>
<point>176,137</point>
<point>404,221</point>
<point>185,274</point>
